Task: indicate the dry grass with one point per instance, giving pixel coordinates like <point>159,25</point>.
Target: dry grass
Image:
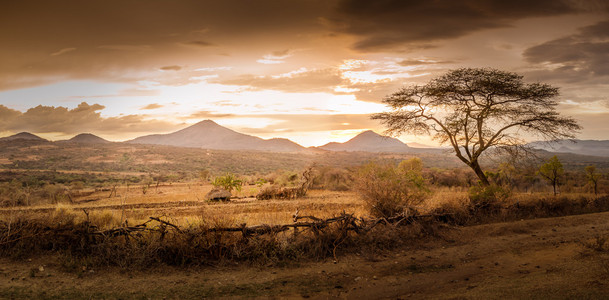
<point>179,204</point>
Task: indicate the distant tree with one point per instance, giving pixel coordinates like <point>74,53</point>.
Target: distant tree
<point>593,177</point>
<point>204,175</point>
<point>551,171</point>
<point>474,110</point>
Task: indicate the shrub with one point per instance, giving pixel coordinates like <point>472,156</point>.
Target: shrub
<point>488,198</point>
<point>333,179</point>
<point>277,192</point>
<point>389,191</point>
<point>228,182</point>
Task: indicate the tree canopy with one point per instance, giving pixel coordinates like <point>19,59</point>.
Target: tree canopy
<point>475,109</point>
<point>552,170</point>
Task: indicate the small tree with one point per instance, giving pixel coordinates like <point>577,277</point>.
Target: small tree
<point>474,110</point>
<point>228,182</point>
<point>593,177</point>
<point>552,170</point>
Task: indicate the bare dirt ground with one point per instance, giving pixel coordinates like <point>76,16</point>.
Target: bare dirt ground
<point>531,259</point>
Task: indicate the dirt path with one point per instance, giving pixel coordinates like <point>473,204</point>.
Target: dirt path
<point>532,259</point>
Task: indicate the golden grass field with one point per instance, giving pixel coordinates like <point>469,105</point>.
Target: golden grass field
<point>549,257</point>
<point>183,204</point>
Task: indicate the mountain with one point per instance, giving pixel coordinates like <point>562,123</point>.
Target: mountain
<point>88,138</point>
<point>583,147</point>
<point>23,136</point>
<point>369,141</point>
<point>209,135</point>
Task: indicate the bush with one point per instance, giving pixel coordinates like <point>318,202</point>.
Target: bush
<point>389,191</point>
<point>488,198</point>
<point>333,179</point>
<point>228,182</point>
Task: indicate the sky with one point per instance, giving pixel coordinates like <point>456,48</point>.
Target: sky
<point>309,70</point>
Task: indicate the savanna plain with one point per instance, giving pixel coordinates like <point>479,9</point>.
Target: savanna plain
<point>119,221</point>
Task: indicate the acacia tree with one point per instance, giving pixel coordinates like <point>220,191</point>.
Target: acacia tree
<point>474,110</point>
<point>551,171</point>
<point>593,177</point>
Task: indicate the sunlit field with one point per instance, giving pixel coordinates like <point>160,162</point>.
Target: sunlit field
<point>184,204</point>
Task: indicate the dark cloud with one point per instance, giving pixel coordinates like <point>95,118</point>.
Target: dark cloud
<point>83,118</point>
<point>576,57</point>
<point>45,42</point>
<point>313,81</point>
<point>152,106</point>
<point>406,24</point>
<point>171,68</point>
<point>199,43</point>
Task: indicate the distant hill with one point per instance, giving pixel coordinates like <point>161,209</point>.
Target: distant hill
<point>87,138</point>
<point>582,147</point>
<point>209,135</point>
<point>23,136</point>
<point>369,141</point>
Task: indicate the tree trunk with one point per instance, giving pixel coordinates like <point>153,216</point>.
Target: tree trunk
<point>483,179</point>
<point>554,186</point>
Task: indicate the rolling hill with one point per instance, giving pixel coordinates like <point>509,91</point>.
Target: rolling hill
<point>582,147</point>
<point>23,136</point>
<point>87,138</point>
<point>369,141</point>
<point>209,135</point>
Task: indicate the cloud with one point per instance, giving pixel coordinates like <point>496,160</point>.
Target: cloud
<point>152,106</point>
<point>62,51</point>
<point>83,118</point>
<point>311,122</point>
<point>226,103</point>
<point>7,116</point>
<point>397,25</point>
<point>277,57</point>
<point>138,36</point>
<point>576,57</point>
<point>205,114</point>
<point>313,81</point>
<point>199,43</point>
<point>423,61</point>
<point>137,48</point>
<point>171,68</point>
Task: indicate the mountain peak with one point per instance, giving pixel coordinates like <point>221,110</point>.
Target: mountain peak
<point>368,133</point>
<point>210,135</point>
<point>206,122</point>
<point>369,141</point>
<point>23,136</point>
<point>88,138</point>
